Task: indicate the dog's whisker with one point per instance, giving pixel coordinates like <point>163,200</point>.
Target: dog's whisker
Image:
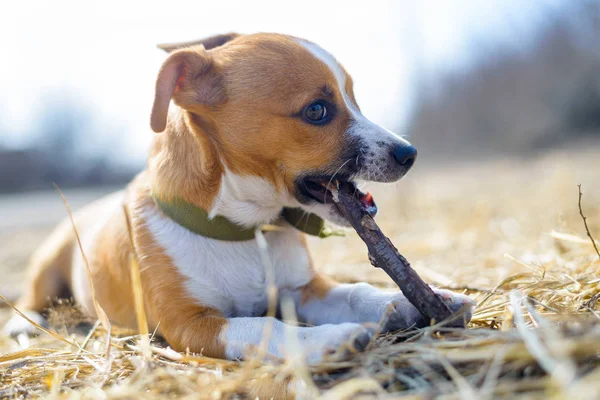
<point>333,177</point>
<point>338,170</point>
<point>379,169</point>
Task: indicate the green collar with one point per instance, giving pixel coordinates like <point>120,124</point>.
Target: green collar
<point>196,220</point>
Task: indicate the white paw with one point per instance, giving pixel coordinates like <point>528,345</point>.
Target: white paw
<point>401,314</point>
<point>458,303</point>
<point>18,325</point>
<point>338,341</point>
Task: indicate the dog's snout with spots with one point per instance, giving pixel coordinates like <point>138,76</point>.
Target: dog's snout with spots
<point>386,157</point>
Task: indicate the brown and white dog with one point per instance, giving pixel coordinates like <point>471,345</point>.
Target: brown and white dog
<point>257,123</point>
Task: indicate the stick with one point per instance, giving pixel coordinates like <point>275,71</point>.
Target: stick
<point>587,230</point>
<point>384,255</point>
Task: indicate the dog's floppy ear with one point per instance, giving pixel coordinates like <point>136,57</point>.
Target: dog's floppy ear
<point>208,43</point>
<point>190,77</point>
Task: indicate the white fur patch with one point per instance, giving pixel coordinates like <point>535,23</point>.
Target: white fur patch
<point>248,200</point>
<point>230,276</point>
<point>18,325</point>
<point>314,342</point>
<point>359,302</point>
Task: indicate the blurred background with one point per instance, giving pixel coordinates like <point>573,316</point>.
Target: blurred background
<point>465,79</point>
<point>468,81</point>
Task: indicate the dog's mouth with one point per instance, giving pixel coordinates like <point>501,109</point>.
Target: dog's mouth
<point>324,191</point>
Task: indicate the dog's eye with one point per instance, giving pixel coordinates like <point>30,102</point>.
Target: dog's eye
<point>316,113</point>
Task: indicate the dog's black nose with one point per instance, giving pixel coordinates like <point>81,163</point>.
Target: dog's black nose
<point>405,155</point>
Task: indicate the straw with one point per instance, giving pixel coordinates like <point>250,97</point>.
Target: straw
<point>534,334</point>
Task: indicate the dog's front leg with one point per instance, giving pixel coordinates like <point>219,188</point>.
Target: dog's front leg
<point>314,342</point>
<point>323,301</point>
<point>231,338</point>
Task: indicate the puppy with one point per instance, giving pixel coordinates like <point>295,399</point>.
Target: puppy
<point>250,131</point>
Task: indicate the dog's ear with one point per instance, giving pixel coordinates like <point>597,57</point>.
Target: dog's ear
<point>208,43</point>
<point>190,77</point>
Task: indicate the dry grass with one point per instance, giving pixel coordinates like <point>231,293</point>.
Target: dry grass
<point>507,232</point>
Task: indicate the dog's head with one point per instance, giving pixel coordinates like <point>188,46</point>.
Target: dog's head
<point>281,114</point>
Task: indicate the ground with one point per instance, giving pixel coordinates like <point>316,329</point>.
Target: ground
<point>506,231</point>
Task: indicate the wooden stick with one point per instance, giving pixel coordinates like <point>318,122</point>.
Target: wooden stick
<point>384,255</point>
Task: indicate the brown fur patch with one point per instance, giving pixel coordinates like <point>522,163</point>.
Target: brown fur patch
<point>184,161</point>
<point>191,78</point>
<point>318,287</point>
<point>261,132</point>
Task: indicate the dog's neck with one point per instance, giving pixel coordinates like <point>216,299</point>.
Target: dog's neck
<point>185,164</point>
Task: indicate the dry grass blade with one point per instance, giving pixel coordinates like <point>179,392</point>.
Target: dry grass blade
<point>99,310</point>
<point>353,387</point>
<point>464,389</point>
<point>101,314</point>
<point>294,355</point>
<point>560,369</point>
<point>88,337</point>
<point>138,293</point>
<point>30,352</point>
<point>587,229</point>
<point>570,237</point>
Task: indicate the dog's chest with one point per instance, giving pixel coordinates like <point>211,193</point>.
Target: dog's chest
<point>230,276</point>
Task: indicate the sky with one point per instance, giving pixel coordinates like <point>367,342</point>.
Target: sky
<point>102,56</point>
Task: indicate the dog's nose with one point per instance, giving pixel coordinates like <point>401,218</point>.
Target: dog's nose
<point>405,155</point>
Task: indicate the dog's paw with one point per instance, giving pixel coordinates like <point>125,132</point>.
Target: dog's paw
<point>18,325</point>
<point>401,314</point>
<point>336,342</point>
<point>458,303</point>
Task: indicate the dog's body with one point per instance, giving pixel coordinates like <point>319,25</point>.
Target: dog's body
<point>246,139</point>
